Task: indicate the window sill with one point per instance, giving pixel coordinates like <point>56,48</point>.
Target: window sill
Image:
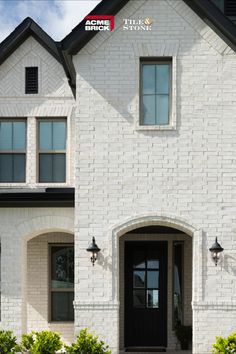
<point>61,322</point>
<point>34,185</point>
<point>156,127</point>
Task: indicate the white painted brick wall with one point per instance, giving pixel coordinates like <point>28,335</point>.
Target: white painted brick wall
<point>122,172</point>
<point>17,227</point>
<point>189,172</point>
<point>54,99</point>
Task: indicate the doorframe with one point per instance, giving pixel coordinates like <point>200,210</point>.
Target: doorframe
<point>161,219</point>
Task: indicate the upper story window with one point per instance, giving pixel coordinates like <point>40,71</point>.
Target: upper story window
<point>12,151</point>
<point>155,92</point>
<point>52,150</point>
<point>31,80</point>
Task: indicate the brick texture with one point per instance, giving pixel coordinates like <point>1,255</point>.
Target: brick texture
<point>188,172</point>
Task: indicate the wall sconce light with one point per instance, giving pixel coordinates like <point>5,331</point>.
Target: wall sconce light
<point>94,250</point>
<point>216,250</point>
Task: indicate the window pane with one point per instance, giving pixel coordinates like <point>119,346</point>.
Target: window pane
<point>6,168</point>
<point>12,168</point>
<point>45,135</point>
<point>153,263</point>
<point>19,138</point>
<point>19,168</point>
<point>62,262</point>
<point>162,109</point>
<point>59,135</point>
<point>59,168</point>
<point>52,168</point>
<point>149,110</point>
<point>138,279</point>
<point>62,306</point>
<point>162,78</point>
<point>139,298</point>
<point>148,79</point>
<point>45,168</point>
<point>5,135</point>
<point>139,259</point>
<point>153,279</point>
<point>153,298</point>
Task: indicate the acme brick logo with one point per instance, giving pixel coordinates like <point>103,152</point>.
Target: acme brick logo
<point>99,23</point>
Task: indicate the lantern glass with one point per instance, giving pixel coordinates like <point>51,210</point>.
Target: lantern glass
<point>216,251</point>
<point>93,249</point>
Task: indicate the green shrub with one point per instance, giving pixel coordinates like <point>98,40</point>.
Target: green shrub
<point>8,342</point>
<point>45,342</point>
<point>225,345</point>
<point>87,343</point>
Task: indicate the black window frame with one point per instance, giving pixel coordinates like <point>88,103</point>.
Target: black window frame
<point>50,288</point>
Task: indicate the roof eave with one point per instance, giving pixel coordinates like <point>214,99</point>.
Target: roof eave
<point>26,29</point>
<point>78,38</point>
<point>215,19</point>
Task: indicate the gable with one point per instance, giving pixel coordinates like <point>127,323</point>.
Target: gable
<point>205,9</point>
<point>52,78</point>
<point>29,28</point>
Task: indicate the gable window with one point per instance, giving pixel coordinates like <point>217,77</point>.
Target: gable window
<point>52,150</point>
<point>155,92</point>
<point>31,80</point>
<point>12,151</point>
<point>61,287</point>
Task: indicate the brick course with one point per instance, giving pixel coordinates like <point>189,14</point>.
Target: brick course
<point>188,172</point>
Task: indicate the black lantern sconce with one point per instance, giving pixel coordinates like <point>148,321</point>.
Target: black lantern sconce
<point>216,250</point>
<point>94,250</point>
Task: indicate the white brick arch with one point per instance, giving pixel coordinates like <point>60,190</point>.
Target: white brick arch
<point>161,219</point>
<point>29,229</point>
<point>44,224</point>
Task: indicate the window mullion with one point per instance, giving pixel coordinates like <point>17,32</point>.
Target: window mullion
<point>12,136</point>
<point>12,163</point>
<point>155,94</point>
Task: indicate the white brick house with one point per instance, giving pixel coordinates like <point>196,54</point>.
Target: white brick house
<point>139,126</point>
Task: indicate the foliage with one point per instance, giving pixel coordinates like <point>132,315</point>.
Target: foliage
<point>8,342</point>
<point>45,342</point>
<point>87,343</point>
<point>225,345</point>
<point>27,341</point>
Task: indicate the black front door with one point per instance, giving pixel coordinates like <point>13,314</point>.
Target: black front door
<point>145,294</point>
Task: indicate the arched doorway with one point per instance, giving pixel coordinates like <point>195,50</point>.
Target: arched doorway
<point>155,283</point>
<point>49,283</point>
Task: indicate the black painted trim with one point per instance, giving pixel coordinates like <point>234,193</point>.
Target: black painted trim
<point>78,37</point>
<point>51,197</point>
<point>28,28</point>
<point>215,19</point>
<point>205,9</point>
